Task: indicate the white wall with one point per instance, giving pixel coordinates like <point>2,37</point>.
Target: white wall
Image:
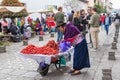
<point>36,5</point>
<point>91,3</point>
<point>82,5</point>
<point>108,6</point>
<point>74,5</point>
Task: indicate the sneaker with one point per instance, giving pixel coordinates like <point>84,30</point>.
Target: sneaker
<point>93,50</point>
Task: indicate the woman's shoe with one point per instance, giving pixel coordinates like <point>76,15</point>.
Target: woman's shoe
<point>76,73</point>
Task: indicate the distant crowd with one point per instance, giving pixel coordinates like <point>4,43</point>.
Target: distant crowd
<point>80,19</point>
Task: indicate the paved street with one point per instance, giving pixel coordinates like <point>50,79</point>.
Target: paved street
<point>12,67</point>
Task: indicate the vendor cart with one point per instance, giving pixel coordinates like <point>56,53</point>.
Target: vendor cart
<point>45,61</point>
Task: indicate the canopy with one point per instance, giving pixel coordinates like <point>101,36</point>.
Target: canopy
<point>13,9</point>
<point>41,12</point>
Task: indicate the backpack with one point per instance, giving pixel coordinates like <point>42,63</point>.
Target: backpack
<point>117,21</point>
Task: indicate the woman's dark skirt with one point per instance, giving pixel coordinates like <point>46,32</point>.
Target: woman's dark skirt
<point>81,56</point>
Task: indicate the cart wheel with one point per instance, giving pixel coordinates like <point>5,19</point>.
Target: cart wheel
<point>43,70</point>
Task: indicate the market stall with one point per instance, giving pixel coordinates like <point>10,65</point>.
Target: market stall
<point>12,9</point>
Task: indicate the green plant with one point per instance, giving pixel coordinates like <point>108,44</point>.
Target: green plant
<point>33,25</point>
<point>1,43</point>
<point>100,8</point>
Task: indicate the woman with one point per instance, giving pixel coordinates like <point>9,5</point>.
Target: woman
<point>27,31</point>
<point>102,19</point>
<point>83,20</point>
<point>51,23</point>
<point>107,23</point>
<point>22,23</point>
<point>76,20</point>
<point>88,19</point>
<point>5,26</point>
<point>38,28</point>
<point>0,27</point>
<point>81,56</point>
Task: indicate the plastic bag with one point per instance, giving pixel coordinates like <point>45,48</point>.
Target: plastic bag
<point>64,46</point>
<point>63,61</point>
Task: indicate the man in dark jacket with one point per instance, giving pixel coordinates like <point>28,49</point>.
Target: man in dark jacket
<point>88,19</point>
<point>70,18</point>
<point>83,22</point>
<point>13,29</point>
<point>117,21</point>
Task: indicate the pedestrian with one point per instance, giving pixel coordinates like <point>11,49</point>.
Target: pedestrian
<point>102,19</point>
<point>37,27</point>
<point>107,23</point>
<point>0,27</point>
<point>29,20</point>
<point>37,20</point>
<point>9,23</point>
<point>43,23</point>
<point>50,23</point>
<point>94,28</point>
<point>81,55</point>
<point>22,23</point>
<point>88,19</point>
<point>27,31</point>
<point>59,17</point>
<point>13,28</point>
<point>5,26</point>
<point>83,21</point>
<point>19,25</point>
<point>76,20</point>
<point>70,17</point>
<point>117,19</point>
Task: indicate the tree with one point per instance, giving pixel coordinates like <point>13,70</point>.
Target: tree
<point>100,8</point>
<point>6,13</point>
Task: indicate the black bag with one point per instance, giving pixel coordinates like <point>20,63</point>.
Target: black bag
<point>13,29</point>
<point>16,38</point>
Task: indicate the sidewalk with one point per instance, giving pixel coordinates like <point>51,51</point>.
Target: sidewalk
<point>12,67</point>
<point>110,64</point>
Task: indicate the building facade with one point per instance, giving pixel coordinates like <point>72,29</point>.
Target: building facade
<point>75,5</point>
<point>90,3</point>
<point>108,5</point>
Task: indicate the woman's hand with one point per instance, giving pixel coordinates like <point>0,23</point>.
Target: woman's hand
<point>61,41</point>
<point>81,24</point>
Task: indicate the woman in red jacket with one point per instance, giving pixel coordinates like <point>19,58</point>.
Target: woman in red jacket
<point>50,23</point>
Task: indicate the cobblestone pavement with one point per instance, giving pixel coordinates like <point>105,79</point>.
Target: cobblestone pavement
<point>12,67</point>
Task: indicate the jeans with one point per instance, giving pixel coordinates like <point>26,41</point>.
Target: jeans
<point>59,35</point>
<point>102,26</point>
<point>44,27</point>
<point>107,29</point>
<point>90,40</point>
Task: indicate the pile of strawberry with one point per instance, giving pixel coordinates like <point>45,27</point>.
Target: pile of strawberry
<point>51,48</point>
<point>52,44</point>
